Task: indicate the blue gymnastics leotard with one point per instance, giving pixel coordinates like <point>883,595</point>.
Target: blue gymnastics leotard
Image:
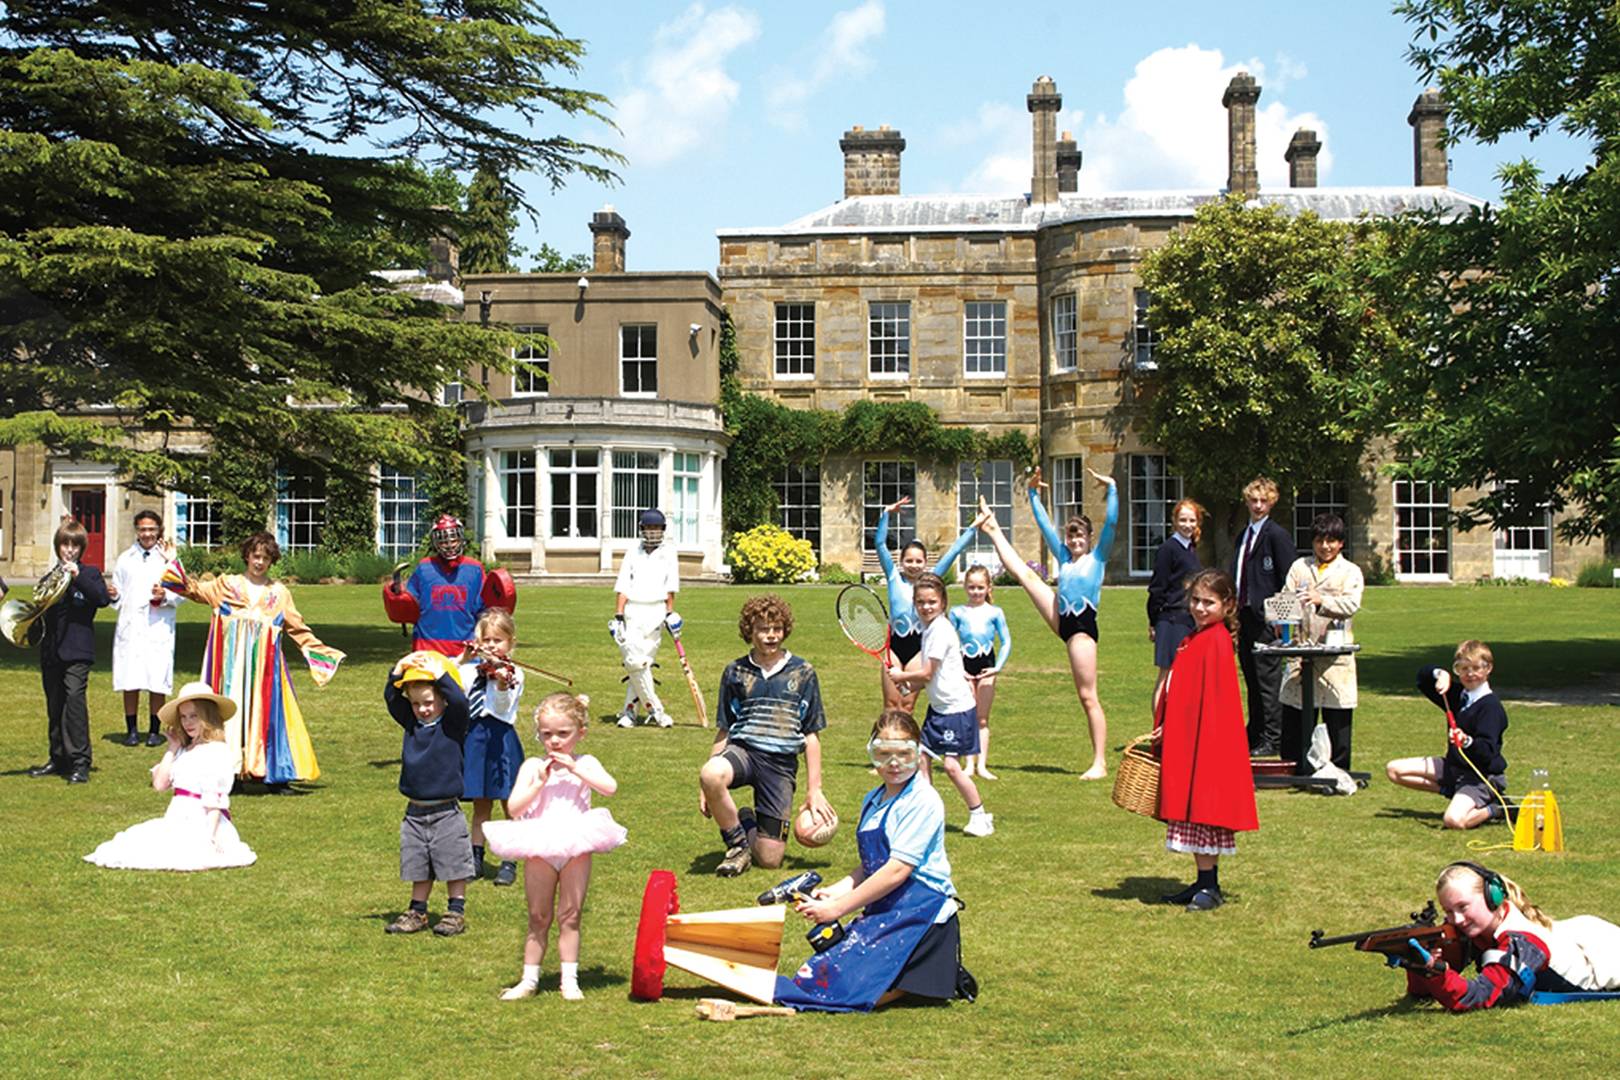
<point>1079,580</point>
<point>903,620</point>
<point>983,630</point>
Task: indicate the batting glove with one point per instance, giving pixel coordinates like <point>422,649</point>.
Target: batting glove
<point>616,629</point>
<point>673,621</point>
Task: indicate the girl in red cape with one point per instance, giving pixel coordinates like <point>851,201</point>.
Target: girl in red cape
<point>1206,788</point>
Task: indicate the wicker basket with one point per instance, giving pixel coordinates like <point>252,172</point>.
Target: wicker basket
<point>1136,784</point>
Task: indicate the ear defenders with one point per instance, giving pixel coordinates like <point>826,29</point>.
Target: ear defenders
<point>1495,889</point>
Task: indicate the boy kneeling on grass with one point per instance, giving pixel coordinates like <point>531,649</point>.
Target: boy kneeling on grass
<point>770,712</point>
<point>424,696</point>
<point>1473,774</point>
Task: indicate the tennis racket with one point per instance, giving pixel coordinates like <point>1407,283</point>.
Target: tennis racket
<point>865,621</point>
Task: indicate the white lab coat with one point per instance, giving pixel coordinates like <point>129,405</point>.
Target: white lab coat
<point>143,643</point>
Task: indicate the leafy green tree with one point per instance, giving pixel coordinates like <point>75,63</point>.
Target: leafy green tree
<point>548,260</point>
<point>1260,319</point>
<point>194,199</point>
<point>1513,384</point>
<point>487,226</point>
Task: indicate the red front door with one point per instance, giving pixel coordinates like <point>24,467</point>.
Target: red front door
<point>89,508</point>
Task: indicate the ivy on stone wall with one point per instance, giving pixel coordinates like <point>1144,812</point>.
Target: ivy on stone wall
<point>767,436</point>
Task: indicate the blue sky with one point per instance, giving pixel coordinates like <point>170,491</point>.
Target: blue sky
<point>730,114</point>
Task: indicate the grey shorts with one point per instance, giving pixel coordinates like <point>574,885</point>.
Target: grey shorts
<point>434,844</point>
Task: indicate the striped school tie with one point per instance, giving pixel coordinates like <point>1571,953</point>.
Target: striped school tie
<point>475,698</point>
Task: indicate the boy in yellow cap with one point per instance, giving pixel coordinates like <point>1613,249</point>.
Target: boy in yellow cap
<point>424,696</point>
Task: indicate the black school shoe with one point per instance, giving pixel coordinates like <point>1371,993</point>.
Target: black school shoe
<point>50,768</point>
<point>507,874</point>
<point>1206,900</point>
<point>79,775</point>
<point>1183,897</point>
<point>132,738</point>
<point>155,738</point>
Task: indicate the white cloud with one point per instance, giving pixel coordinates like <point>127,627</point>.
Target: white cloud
<point>1171,132</point>
<point>839,51</point>
<point>684,92</point>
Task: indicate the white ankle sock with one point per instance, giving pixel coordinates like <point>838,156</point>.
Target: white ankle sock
<point>568,984</point>
<point>531,974</point>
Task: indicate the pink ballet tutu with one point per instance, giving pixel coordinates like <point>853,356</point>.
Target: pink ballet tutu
<point>554,839</point>
<point>558,826</point>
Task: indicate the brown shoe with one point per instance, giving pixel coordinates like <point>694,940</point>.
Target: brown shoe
<point>450,924</point>
<point>408,923</point>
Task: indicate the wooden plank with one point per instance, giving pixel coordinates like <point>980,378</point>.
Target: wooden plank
<point>750,981</point>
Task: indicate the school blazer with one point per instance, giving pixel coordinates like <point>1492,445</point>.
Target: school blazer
<point>1268,563</point>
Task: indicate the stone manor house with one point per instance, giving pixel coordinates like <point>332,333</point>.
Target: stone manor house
<point>1019,312</point>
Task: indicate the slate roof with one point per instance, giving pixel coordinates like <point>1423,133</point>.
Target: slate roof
<point>1004,213</point>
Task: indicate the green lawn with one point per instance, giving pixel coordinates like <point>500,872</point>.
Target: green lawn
<point>283,967</point>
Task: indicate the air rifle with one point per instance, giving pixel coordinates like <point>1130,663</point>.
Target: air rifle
<point>1424,944</point>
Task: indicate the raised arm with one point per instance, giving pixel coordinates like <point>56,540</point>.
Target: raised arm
<point>956,549</point>
<point>881,542</point>
<point>1054,543</point>
<point>1105,538</point>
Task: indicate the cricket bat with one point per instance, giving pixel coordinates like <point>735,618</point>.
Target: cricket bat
<point>692,684</point>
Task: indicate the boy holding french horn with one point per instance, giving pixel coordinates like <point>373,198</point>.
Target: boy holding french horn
<point>68,598</point>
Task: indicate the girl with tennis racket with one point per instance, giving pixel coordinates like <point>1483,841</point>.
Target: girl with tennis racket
<point>905,629</point>
<point>1070,609</point>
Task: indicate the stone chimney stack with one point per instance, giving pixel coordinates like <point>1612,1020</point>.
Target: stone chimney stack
<point>1428,120</point>
<point>1044,102</point>
<point>1068,163</point>
<point>444,258</point>
<point>1242,177</point>
<point>608,234</point>
<point>1301,158</point>
<point>871,161</point>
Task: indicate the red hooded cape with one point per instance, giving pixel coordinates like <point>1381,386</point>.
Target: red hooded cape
<point>1204,774</point>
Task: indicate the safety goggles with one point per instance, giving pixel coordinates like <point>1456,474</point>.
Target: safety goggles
<point>886,752</point>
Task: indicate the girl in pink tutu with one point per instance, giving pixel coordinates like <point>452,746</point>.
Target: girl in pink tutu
<point>555,830</point>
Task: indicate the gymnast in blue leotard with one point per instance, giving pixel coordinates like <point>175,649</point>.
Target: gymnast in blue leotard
<point>986,647</point>
<point>1070,609</point>
<point>905,628</point>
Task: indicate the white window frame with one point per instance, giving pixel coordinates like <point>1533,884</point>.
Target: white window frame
<point>583,520</point>
<point>686,497</point>
<point>995,480</point>
<point>878,493</point>
<point>1068,488</point>
<point>451,393</point>
<point>1515,545</point>
<point>800,517</point>
<point>884,347</point>
<point>643,363</point>
<point>296,513</point>
<point>794,340</point>
<point>1332,497</point>
<point>1419,515</point>
<point>1065,332</point>
<point>636,478</point>
<point>1152,490</point>
<point>188,520</point>
<point>984,339</point>
<point>1143,339</point>
<point>515,469</point>
<point>402,509</point>
<point>527,360</point>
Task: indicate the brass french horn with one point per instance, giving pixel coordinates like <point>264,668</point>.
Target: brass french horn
<point>17,617</point>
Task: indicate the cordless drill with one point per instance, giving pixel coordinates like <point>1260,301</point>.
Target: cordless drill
<point>799,887</point>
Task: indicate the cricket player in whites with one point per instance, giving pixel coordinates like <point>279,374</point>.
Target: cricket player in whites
<point>648,580</point>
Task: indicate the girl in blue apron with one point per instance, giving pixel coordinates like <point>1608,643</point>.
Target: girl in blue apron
<point>906,940</point>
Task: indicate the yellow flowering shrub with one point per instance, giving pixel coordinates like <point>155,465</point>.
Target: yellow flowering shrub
<point>768,555</point>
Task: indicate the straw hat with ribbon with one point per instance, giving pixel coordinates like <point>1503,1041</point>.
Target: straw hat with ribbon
<point>197,691</point>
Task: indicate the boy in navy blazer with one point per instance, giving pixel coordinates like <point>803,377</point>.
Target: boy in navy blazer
<point>1264,552</point>
<point>67,648</point>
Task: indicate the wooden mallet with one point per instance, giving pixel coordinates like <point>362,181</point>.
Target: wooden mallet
<point>722,1010</point>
